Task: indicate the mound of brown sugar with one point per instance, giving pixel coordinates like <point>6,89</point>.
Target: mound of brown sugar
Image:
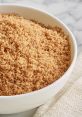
<point>31,56</point>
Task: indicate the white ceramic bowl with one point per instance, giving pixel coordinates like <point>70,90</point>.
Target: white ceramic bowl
<point>23,102</point>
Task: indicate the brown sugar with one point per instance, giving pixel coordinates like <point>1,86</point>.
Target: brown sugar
<point>31,55</point>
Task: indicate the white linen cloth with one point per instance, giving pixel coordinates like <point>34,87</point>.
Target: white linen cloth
<point>68,102</point>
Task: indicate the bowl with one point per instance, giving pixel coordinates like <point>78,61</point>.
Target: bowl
<point>28,101</point>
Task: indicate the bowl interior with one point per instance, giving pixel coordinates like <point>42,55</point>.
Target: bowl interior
<point>41,17</point>
<point>44,18</point>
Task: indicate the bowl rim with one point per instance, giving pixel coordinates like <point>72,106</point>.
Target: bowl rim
<point>72,38</point>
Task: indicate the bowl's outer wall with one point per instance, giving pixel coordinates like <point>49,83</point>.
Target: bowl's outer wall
<point>14,104</point>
